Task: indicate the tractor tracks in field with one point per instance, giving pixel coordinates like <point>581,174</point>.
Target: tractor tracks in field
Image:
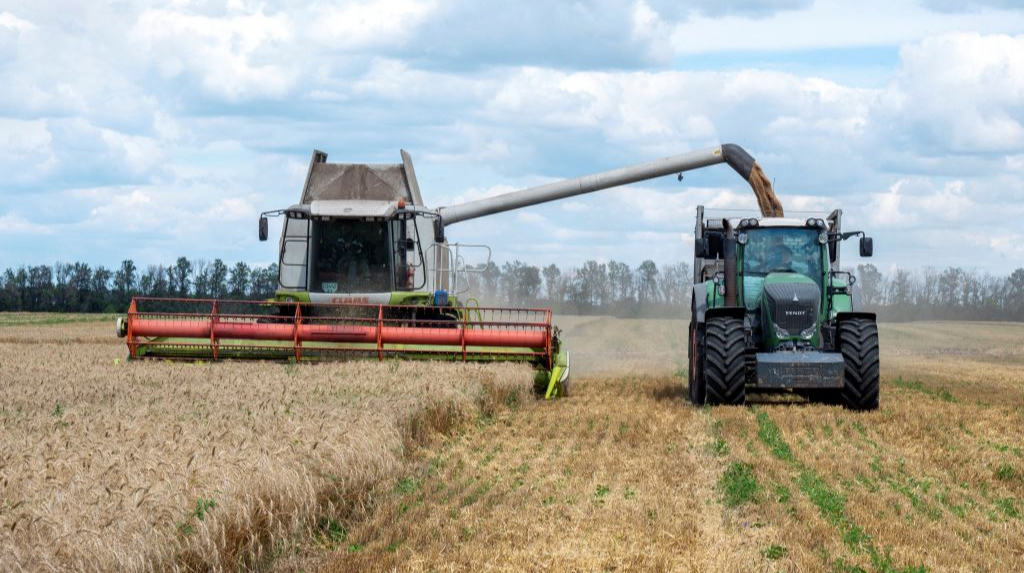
<point>909,488</point>
<point>624,475</point>
<point>620,476</point>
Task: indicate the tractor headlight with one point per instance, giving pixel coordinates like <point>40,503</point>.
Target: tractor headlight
<point>808,334</point>
<point>822,238</point>
<point>780,332</point>
<point>742,238</point>
<point>721,289</point>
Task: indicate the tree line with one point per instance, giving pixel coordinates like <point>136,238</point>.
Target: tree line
<point>646,291</point>
<point>951,294</point>
<point>78,287</point>
<point>614,288</point>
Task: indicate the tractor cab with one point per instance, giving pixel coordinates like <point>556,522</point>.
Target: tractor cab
<point>781,271</point>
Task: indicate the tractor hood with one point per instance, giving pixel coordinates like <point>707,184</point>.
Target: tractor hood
<point>790,305</point>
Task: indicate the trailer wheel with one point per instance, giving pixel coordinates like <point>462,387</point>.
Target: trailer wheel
<point>696,386</point>
<point>858,341</point>
<point>724,361</point>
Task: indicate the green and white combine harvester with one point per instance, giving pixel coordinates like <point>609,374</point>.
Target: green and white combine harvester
<point>366,270</point>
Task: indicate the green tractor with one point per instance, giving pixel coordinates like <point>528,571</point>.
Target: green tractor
<point>772,311</point>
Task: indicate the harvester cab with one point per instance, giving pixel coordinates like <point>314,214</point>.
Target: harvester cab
<point>774,311</point>
<point>361,234</point>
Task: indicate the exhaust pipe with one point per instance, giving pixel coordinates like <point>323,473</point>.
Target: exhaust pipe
<point>729,254</point>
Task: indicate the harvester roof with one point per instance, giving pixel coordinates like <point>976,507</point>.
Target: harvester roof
<point>356,208</point>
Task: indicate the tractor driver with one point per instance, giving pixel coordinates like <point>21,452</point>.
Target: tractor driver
<point>779,255</point>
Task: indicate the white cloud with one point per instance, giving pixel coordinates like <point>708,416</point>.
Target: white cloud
<point>19,137</point>
<point>231,209</point>
<point>1009,245</point>
<point>574,207</point>
<point>12,22</point>
<point>26,150</point>
<point>885,208</point>
<point>12,224</point>
<point>832,23</point>
<point>957,93</point>
<point>918,201</point>
<point>954,6</point>
<point>232,56</point>
<point>377,23</point>
<point>531,218</point>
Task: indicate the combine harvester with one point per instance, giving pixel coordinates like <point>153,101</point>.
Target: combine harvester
<point>366,271</point>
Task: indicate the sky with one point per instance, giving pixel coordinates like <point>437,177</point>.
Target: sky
<point>154,129</point>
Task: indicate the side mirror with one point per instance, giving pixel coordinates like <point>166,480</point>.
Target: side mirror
<point>700,248</point>
<point>867,246</point>
<point>264,228</point>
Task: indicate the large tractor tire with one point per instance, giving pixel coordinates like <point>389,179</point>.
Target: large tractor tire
<point>696,387</point>
<point>724,361</point>
<point>858,341</point>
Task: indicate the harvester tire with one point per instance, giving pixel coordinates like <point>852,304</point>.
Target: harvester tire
<point>858,341</point>
<point>696,385</point>
<point>724,361</point>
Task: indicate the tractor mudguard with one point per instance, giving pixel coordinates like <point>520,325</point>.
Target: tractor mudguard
<point>701,312</point>
<point>729,311</point>
<point>847,315</point>
<point>700,303</point>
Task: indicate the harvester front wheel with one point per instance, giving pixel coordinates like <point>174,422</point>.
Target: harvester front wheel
<point>724,361</point>
<point>858,341</point>
<point>696,386</point>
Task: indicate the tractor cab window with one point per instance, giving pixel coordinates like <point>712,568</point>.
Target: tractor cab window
<point>782,250</point>
<point>351,256</point>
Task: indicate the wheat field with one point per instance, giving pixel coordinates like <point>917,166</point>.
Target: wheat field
<point>108,465</point>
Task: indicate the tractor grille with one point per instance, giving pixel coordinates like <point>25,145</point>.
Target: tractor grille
<point>794,306</point>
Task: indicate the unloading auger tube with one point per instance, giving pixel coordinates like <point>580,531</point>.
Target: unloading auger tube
<point>733,155</point>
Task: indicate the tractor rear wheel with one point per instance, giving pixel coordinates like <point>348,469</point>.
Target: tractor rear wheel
<point>724,361</point>
<point>696,388</point>
<point>858,341</point>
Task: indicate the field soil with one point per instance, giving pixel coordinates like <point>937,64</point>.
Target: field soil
<point>626,476</point>
<point>109,465</point>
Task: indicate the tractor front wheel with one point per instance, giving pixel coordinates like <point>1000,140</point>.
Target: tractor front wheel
<point>858,341</point>
<point>724,361</point>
